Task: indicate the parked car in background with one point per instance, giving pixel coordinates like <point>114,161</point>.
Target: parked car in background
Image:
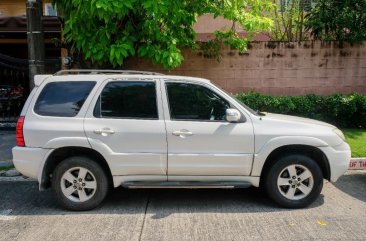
<point>82,131</point>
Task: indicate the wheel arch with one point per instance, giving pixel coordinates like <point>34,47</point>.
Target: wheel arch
<point>60,154</point>
<point>307,150</point>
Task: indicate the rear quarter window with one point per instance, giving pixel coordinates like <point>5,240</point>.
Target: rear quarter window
<point>63,99</point>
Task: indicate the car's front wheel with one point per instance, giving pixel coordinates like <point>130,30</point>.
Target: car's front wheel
<point>294,181</point>
<point>79,183</point>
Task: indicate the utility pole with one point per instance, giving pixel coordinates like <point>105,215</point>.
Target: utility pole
<point>36,47</point>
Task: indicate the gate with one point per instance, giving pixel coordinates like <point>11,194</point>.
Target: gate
<point>13,89</point>
<point>14,86</point>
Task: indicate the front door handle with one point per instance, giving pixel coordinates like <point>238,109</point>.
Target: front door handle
<point>104,131</point>
<point>182,133</point>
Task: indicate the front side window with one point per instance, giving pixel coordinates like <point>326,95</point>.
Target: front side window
<point>63,99</point>
<point>195,102</point>
<point>127,99</point>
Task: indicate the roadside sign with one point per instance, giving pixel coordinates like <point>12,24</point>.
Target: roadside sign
<point>357,164</point>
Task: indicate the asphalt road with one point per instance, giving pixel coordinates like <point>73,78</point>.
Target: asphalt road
<point>178,214</point>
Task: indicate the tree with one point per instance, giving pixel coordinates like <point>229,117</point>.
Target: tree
<point>109,31</point>
<point>343,20</point>
<point>288,17</point>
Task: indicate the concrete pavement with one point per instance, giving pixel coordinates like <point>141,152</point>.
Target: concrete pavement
<point>7,142</point>
<point>170,214</point>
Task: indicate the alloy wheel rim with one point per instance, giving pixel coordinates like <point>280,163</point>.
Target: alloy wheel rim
<point>295,182</point>
<point>78,184</point>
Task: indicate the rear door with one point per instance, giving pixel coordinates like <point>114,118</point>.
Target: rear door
<point>125,123</point>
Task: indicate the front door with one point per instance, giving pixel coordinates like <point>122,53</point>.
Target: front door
<point>200,140</point>
<point>126,125</point>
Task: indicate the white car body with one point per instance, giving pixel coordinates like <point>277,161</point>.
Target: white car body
<point>153,150</point>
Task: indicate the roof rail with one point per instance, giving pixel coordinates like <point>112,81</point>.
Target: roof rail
<point>98,71</point>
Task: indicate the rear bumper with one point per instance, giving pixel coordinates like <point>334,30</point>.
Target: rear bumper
<point>28,160</point>
<point>339,157</point>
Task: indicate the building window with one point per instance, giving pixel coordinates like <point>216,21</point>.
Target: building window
<point>50,10</point>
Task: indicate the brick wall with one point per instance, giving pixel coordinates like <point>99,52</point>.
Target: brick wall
<point>279,68</point>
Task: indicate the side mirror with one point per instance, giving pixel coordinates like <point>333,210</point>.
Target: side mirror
<point>232,115</point>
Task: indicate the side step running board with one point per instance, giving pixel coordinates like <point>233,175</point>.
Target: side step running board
<point>175,184</point>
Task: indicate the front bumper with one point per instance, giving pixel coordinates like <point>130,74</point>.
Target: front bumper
<point>338,157</point>
<point>28,161</point>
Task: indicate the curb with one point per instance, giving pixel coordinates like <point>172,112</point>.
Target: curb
<point>358,163</point>
<point>17,179</point>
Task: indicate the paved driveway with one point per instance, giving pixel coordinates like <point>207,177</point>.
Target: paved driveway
<point>172,215</point>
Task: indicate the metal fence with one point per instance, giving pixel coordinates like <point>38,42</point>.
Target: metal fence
<point>13,88</point>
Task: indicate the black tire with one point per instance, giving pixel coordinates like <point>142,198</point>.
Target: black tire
<point>95,172</point>
<point>277,193</point>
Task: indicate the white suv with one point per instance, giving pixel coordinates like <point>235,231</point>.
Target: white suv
<point>81,132</point>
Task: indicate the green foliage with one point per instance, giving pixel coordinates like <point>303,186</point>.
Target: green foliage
<point>110,31</point>
<point>232,39</point>
<point>248,14</point>
<point>356,138</point>
<point>6,168</point>
<point>288,18</point>
<point>343,20</point>
<point>346,111</point>
<point>211,49</point>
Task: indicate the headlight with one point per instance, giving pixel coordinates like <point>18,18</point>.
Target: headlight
<point>339,133</point>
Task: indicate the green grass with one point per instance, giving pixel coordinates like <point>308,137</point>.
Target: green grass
<point>6,168</point>
<point>356,138</point>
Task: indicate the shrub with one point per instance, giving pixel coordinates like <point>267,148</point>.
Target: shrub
<point>343,20</point>
<point>344,111</point>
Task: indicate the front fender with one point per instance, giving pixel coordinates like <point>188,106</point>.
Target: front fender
<point>261,156</point>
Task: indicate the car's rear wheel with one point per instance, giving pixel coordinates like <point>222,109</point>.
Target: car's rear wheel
<point>294,181</point>
<point>79,183</point>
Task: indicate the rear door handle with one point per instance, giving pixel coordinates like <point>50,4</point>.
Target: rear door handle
<point>104,131</point>
<point>182,133</point>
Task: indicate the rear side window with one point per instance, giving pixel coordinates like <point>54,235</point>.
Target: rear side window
<point>63,99</point>
<point>127,99</point>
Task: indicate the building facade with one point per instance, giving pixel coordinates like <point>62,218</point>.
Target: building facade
<point>14,53</point>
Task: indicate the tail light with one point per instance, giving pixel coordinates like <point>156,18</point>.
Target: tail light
<point>19,132</point>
